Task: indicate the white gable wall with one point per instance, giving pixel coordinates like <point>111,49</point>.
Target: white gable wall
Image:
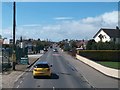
<point>106,37</point>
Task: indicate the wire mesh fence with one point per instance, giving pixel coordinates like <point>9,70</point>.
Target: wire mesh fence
<point>6,63</point>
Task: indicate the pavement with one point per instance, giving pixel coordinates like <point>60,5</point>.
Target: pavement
<point>105,70</point>
<point>10,77</point>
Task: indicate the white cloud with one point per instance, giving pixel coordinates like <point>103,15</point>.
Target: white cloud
<point>110,18</point>
<point>107,19</point>
<point>72,29</point>
<point>63,18</point>
<point>7,33</point>
<point>32,25</point>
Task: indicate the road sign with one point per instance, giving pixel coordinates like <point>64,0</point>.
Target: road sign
<point>24,60</point>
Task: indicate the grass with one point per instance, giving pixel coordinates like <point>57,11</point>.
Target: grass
<point>115,65</point>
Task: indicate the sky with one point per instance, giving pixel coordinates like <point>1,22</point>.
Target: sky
<point>58,20</point>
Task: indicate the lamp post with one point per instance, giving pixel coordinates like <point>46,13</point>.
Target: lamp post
<point>14,25</point>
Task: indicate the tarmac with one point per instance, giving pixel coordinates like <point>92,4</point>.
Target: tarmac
<point>10,77</point>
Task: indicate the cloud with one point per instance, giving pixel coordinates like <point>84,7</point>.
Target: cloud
<point>110,18</point>
<point>65,28</point>
<point>63,18</point>
<point>31,25</point>
<point>107,19</point>
<point>7,33</point>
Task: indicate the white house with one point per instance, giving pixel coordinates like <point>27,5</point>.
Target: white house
<point>108,35</point>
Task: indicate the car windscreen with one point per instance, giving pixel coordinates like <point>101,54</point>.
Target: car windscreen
<point>42,66</point>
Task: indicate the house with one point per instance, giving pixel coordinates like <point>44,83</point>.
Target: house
<point>11,41</point>
<point>24,43</point>
<point>81,44</point>
<point>108,35</point>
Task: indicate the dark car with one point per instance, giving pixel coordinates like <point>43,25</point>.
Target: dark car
<point>55,50</point>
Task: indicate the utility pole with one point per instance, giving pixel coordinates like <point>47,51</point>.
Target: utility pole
<point>14,27</point>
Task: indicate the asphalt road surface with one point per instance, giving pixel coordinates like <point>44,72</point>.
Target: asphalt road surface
<point>66,73</point>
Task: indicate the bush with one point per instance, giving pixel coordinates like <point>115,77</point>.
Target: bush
<point>92,45</point>
<point>101,55</point>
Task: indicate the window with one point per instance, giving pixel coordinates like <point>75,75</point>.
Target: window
<point>114,39</point>
<point>42,66</point>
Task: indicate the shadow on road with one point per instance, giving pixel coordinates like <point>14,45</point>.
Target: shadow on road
<point>53,76</point>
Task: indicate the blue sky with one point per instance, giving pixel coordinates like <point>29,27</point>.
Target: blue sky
<point>60,20</point>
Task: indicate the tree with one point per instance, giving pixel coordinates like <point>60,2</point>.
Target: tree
<point>0,37</point>
<point>73,44</point>
<point>39,39</point>
<point>91,45</point>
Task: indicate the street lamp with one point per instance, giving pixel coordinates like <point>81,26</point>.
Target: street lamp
<point>14,25</point>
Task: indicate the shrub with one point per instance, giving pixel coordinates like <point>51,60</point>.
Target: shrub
<point>101,55</point>
<point>92,45</point>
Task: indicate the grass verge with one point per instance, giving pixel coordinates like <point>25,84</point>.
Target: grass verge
<point>115,65</point>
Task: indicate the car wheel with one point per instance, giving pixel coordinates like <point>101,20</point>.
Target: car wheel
<point>50,75</point>
<point>34,76</point>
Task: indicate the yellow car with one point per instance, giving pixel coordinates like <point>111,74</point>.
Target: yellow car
<point>42,69</point>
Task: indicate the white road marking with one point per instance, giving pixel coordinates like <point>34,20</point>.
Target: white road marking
<point>18,86</point>
<point>56,54</point>
<point>53,88</point>
<point>21,81</point>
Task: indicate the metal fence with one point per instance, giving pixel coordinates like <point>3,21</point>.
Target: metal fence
<point>5,60</point>
<point>21,53</point>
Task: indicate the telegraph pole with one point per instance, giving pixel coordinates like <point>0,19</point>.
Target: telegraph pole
<point>14,27</point>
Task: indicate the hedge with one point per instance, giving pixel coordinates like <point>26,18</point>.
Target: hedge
<point>101,55</point>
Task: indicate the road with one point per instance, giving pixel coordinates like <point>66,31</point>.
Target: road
<point>64,75</point>
<point>67,72</point>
